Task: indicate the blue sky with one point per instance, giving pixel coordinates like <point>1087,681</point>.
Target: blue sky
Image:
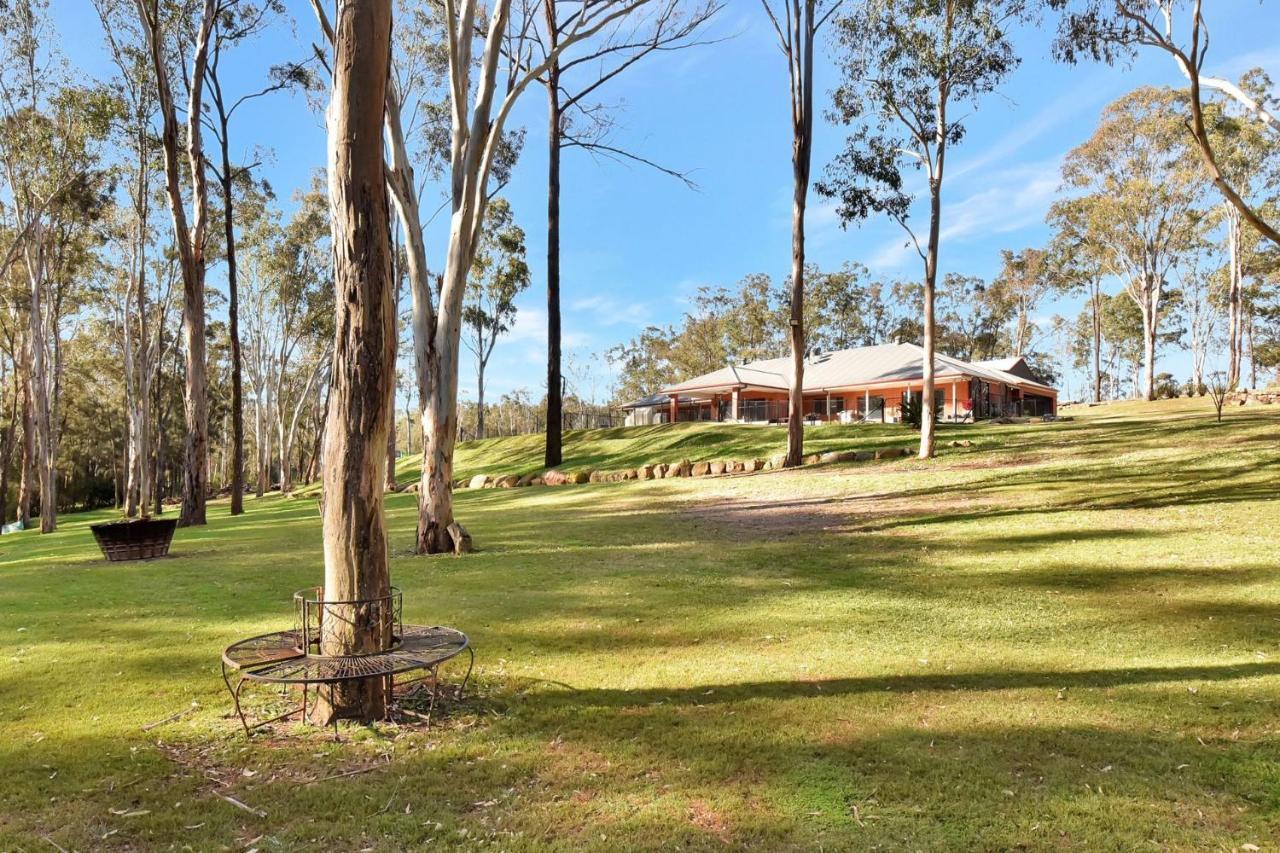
<point>637,244</point>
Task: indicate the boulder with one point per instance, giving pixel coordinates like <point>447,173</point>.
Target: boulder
<point>753,465</point>
<point>863,455</point>
<point>718,468</point>
<point>577,478</point>
<point>776,462</point>
<point>644,472</point>
<point>555,478</point>
<point>679,469</point>
<point>479,481</point>
<point>813,459</point>
<point>659,471</point>
<point>507,481</point>
<point>735,467</point>
<point>527,480</point>
<point>461,539</point>
<point>701,469</point>
<point>888,453</point>
<point>597,477</point>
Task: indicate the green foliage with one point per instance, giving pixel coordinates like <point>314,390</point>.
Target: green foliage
<point>911,410</point>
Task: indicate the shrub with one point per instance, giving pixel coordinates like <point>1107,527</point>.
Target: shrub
<point>909,411</point>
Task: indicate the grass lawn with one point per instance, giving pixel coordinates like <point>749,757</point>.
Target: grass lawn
<point>1063,636</point>
<point>630,447</point>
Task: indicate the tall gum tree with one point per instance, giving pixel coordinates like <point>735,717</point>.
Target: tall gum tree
<point>907,64</point>
<point>796,24</point>
<point>478,114</point>
<point>575,119</point>
<point>189,235</point>
<point>363,372</point>
<point>1139,190</point>
<point>1111,30</point>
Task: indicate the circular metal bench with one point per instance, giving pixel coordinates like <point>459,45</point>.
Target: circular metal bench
<point>293,657</point>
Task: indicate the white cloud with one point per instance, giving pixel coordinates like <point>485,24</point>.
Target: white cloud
<point>607,311</point>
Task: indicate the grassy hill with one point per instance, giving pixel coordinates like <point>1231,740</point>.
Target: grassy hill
<point>1063,636</point>
<point>630,447</point>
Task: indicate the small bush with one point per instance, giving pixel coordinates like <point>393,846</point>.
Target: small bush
<point>909,411</point>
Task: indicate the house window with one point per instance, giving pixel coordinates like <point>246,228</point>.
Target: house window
<point>827,406</point>
<point>753,410</point>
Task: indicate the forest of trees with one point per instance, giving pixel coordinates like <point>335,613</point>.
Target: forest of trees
<point>127,380</point>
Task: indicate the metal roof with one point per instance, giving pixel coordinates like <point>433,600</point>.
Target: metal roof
<point>874,365</point>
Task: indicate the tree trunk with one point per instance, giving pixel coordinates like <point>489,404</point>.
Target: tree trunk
<point>927,391</point>
<point>355,538</point>
<point>38,380</point>
<point>480,433</point>
<point>1095,303</point>
<point>1149,321</point>
<point>233,321</point>
<point>26,478</point>
<point>801,160</point>
<point>6,449</point>
<point>554,454</point>
<point>1235,344</point>
<point>390,483</point>
<point>190,243</point>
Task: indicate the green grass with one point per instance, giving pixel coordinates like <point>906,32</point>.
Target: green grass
<point>1063,636</point>
<point>630,447</point>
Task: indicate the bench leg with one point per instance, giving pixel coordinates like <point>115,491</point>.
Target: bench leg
<point>235,697</point>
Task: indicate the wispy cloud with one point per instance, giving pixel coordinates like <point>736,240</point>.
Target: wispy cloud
<point>605,310</point>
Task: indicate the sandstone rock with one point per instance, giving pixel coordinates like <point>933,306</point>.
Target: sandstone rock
<point>888,453</point>
<point>735,467</point>
<point>527,480</point>
<point>863,455</point>
<point>555,478</point>
<point>507,481</point>
<point>659,471</point>
<point>813,459</point>
<point>577,478</point>
<point>644,472</point>
<point>776,462</point>
<point>479,481</point>
<point>701,469</point>
<point>597,477</point>
<point>461,539</point>
<point>718,468</point>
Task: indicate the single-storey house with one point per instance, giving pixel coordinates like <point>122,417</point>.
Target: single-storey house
<point>862,384</point>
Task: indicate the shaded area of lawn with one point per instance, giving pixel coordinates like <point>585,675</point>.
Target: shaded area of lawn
<point>1062,636</point>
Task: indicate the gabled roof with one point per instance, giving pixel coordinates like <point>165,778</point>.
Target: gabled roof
<point>874,365</point>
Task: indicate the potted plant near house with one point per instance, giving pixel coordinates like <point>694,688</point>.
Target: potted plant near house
<point>134,538</point>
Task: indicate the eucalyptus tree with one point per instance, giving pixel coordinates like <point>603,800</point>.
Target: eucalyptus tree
<point>1251,163</point>
<point>1138,200</point>
<point>51,138</point>
<point>498,275</point>
<point>1025,281</point>
<point>1201,314</point>
<point>355,534</point>
<point>796,24</point>
<point>137,234</point>
<point>907,66</point>
<point>1110,30</point>
<point>236,23</point>
<point>479,109</point>
<point>1078,265</point>
<point>189,234</point>
<point>577,119</point>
